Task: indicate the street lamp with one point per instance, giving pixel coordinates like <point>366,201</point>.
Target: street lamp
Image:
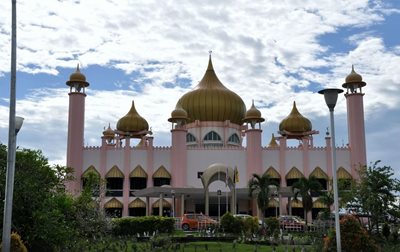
<point>173,203</point>
<point>331,95</point>
<point>219,204</point>
<point>14,127</point>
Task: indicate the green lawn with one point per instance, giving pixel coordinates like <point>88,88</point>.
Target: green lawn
<point>189,247</point>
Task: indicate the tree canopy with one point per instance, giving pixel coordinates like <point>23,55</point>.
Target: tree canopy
<point>305,188</point>
<point>261,186</point>
<point>377,193</point>
<point>46,217</point>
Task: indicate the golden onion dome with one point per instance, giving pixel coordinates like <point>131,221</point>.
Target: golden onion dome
<point>273,142</point>
<point>132,122</point>
<point>210,100</point>
<point>108,132</point>
<point>295,122</point>
<point>253,114</point>
<point>353,79</point>
<point>77,77</point>
<point>178,114</point>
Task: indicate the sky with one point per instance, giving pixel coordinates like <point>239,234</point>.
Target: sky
<point>273,52</point>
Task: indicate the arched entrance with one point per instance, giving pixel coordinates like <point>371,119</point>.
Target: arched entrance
<point>219,172</point>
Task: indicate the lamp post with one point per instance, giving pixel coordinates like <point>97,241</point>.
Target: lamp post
<point>173,203</point>
<point>331,95</point>
<point>14,127</point>
<point>219,204</point>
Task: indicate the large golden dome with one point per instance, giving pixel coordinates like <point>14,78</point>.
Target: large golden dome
<point>132,122</point>
<point>295,122</point>
<point>212,101</point>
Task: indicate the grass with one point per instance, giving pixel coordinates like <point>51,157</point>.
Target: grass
<point>188,247</point>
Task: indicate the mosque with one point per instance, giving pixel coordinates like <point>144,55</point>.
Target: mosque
<point>209,127</point>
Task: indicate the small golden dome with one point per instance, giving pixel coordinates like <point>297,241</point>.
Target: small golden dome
<point>253,114</point>
<point>77,77</point>
<point>108,132</point>
<point>353,79</point>
<point>353,76</point>
<point>273,142</point>
<point>132,122</point>
<point>295,122</point>
<point>212,101</point>
<point>178,114</point>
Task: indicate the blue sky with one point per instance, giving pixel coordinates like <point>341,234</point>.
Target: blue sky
<point>153,52</point>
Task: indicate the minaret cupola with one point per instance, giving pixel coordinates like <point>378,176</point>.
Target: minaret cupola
<point>253,116</point>
<point>77,81</point>
<point>354,82</point>
<point>179,116</point>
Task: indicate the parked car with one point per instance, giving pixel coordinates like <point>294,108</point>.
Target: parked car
<point>196,221</point>
<point>292,223</point>
<point>244,216</point>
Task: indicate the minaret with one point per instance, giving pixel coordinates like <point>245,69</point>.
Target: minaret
<point>253,134</point>
<point>355,121</point>
<point>178,119</point>
<point>76,122</point>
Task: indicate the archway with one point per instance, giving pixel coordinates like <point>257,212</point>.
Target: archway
<point>219,172</point>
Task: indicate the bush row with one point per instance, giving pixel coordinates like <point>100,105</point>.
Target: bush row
<point>142,225</point>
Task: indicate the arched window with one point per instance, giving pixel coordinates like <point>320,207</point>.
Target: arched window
<point>190,138</point>
<point>115,182</point>
<point>137,179</point>
<point>161,177</point>
<point>212,136</point>
<point>234,138</point>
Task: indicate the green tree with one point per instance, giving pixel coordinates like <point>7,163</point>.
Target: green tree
<point>48,218</point>
<point>376,192</point>
<point>261,186</point>
<point>327,199</point>
<point>305,188</point>
<point>40,206</point>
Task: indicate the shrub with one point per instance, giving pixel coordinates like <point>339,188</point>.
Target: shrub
<point>250,226</point>
<point>16,243</point>
<point>141,225</point>
<point>231,224</point>
<point>272,224</point>
<point>354,238</point>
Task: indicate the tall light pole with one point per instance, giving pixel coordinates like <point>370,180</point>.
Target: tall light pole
<point>331,95</point>
<point>173,203</point>
<point>15,125</point>
<point>219,204</point>
<point>12,132</point>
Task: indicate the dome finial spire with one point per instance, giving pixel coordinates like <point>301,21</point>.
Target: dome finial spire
<point>210,66</point>
<point>77,67</point>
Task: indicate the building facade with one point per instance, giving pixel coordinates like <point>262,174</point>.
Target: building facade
<point>214,141</point>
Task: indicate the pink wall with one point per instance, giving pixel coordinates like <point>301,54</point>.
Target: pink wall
<point>76,124</point>
<point>356,131</point>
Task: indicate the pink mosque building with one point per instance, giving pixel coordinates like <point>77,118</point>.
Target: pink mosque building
<point>209,127</point>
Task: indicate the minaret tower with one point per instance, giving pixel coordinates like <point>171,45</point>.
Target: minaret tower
<point>355,121</point>
<point>253,134</point>
<point>76,122</point>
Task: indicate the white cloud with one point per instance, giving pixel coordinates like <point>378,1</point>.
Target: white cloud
<point>263,50</point>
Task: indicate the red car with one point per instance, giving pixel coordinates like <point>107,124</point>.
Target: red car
<point>196,221</point>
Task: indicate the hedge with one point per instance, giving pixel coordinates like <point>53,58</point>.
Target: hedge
<point>142,225</point>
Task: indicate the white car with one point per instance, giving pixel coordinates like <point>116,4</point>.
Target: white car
<point>244,216</point>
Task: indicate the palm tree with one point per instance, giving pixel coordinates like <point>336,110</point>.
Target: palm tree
<point>261,186</point>
<point>305,187</point>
